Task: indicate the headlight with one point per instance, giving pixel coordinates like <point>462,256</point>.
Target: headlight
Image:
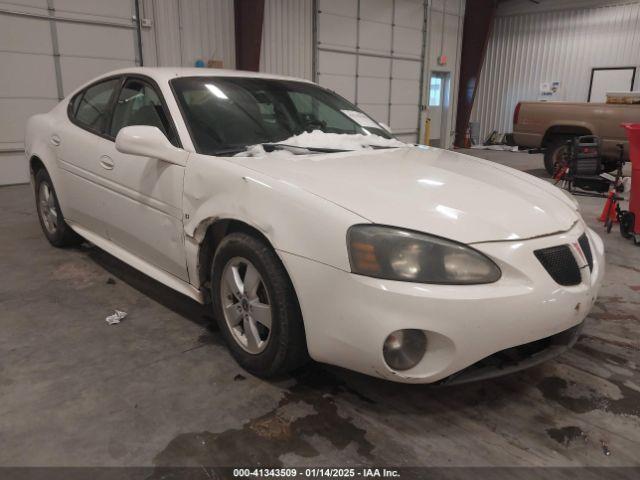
<point>396,254</point>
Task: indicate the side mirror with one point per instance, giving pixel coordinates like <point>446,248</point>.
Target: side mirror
<point>148,141</point>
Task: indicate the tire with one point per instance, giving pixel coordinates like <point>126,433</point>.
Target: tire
<point>264,352</point>
<point>627,224</point>
<point>552,153</point>
<point>50,216</point>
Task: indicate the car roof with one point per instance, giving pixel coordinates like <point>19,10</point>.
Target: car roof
<point>164,74</point>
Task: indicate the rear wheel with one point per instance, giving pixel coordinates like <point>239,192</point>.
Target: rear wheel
<point>256,307</point>
<point>556,155</point>
<point>52,222</point>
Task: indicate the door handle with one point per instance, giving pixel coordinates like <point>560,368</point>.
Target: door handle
<point>106,162</point>
<point>55,140</point>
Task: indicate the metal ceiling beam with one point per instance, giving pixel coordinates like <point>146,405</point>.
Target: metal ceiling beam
<point>478,21</point>
<point>249,18</point>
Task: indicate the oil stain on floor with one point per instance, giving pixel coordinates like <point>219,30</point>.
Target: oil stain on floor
<point>566,435</point>
<point>301,414</point>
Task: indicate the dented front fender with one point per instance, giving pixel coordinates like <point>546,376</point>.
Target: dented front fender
<point>293,220</point>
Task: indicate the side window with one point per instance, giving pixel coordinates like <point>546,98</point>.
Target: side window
<point>139,104</point>
<point>91,107</point>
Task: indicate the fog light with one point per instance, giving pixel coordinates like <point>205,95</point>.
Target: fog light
<point>403,349</point>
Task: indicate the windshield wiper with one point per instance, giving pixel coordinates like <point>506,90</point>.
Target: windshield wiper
<point>223,152</point>
<point>270,147</point>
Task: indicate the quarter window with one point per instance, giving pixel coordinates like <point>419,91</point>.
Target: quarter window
<point>91,107</point>
<point>139,104</point>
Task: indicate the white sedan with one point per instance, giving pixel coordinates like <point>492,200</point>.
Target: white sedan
<point>310,230</point>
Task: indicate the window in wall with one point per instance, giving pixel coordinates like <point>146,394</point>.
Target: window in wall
<point>435,91</point>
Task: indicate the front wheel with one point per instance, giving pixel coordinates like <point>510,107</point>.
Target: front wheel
<point>256,307</point>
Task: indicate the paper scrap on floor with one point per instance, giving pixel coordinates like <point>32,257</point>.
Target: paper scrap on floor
<point>116,317</point>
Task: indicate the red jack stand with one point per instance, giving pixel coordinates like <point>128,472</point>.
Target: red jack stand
<point>610,210</point>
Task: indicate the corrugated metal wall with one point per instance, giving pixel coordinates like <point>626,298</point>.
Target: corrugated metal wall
<point>287,38</point>
<point>47,49</point>
<point>526,50</point>
<point>188,30</point>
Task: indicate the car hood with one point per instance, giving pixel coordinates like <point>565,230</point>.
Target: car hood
<point>427,189</point>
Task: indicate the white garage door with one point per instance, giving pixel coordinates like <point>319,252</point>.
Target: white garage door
<point>47,49</point>
<point>372,53</point>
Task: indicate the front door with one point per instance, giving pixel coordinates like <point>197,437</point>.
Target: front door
<point>145,194</point>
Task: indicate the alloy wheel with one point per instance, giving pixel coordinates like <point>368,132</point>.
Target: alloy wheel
<point>47,208</point>
<point>245,304</point>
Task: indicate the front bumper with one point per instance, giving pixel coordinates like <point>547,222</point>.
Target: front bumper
<point>348,317</point>
<point>516,358</point>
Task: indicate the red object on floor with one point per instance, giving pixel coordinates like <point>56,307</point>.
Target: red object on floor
<point>633,133</point>
<point>609,206</point>
<point>562,171</point>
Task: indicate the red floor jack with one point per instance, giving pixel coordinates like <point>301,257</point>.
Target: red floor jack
<point>629,227</point>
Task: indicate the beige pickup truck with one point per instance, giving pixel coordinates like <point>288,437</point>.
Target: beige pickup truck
<point>548,125</point>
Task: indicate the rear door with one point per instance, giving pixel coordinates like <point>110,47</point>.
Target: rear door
<point>78,141</point>
<point>145,194</point>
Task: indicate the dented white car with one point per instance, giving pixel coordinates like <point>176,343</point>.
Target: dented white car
<point>310,230</point>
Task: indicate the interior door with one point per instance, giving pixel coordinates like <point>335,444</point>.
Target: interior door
<point>145,194</point>
<point>438,108</point>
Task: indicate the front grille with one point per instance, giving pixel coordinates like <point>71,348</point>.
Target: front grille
<point>560,263</point>
<point>586,249</point>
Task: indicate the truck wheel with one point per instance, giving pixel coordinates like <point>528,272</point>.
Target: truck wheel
<point>555,155</point>
<point>52,222</point>
<point>256,307</point>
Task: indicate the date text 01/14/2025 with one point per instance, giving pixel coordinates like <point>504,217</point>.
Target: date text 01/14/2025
<point>316,472</point>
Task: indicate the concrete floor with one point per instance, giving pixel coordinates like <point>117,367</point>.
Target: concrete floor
<point>160,388</point>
